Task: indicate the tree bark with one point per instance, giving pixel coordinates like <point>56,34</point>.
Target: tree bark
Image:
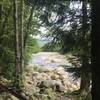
<point>21,38</point>
<point>85,79</point>
<point>95,49</point>
<point>17,48</point>
<point>28,26</point>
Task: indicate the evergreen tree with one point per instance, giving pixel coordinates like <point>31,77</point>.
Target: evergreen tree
<point>95,49</point>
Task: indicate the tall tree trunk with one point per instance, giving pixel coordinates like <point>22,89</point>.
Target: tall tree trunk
<point>28,26</point>
<point>85,80</point>
<point>17,48</point>
<point>95,49</point>
<point>21,38</point>
<point>1,10</point>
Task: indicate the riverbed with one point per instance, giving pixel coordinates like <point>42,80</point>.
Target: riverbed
<point>49,59</point>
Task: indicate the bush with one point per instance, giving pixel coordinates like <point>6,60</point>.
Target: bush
<point>31,47</point>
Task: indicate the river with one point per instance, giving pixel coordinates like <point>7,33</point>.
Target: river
<point>48,59</point>
<point>52,60</point>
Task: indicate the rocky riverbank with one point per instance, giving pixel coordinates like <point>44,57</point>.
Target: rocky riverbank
<point>46,78</point>
<point>46,82</point>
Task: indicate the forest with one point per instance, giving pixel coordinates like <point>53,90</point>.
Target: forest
<point>49,49</point>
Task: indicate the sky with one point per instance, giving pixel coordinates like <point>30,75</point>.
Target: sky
<point>44,30</point>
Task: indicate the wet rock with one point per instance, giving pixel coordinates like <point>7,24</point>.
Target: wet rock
<point>56,85</point>
<point>57,79</point>
<point>59,71</point>
<point>40,76</point>
<point>63,77</point>
<point>54,76</point>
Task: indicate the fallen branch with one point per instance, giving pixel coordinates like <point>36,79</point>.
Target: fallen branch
<point>12,91</point>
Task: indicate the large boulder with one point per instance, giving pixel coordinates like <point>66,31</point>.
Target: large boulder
<point>56,85</point>
<point>59,70</point>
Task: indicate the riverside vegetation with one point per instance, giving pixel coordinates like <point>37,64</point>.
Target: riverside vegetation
<point>43,82</point>
<point>71,28</point>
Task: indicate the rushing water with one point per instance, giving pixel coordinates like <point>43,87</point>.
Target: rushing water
<point>48,59</point>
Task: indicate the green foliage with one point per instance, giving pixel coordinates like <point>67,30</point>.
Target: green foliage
<point>7,38</point>
<point>7,55</point>
<point>49,47</point>
<point>32,47</point>
<point>73,39</point>
<point>37,69</point>
<point>51,94</point>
